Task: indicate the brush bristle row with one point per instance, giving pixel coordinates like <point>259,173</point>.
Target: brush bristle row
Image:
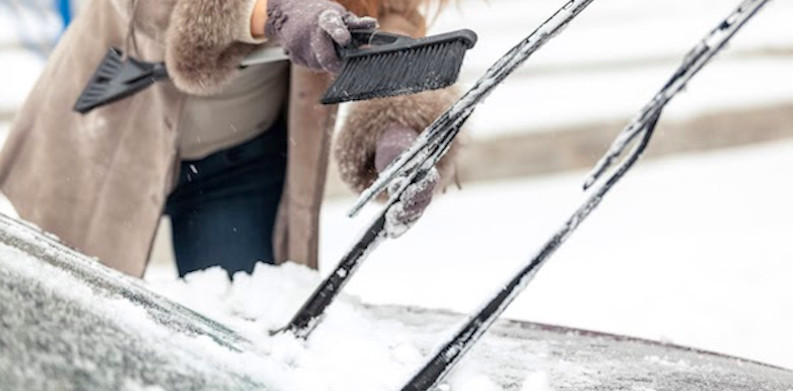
<point>398,73</point>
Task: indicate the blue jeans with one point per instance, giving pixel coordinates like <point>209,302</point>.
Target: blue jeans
<point>224,206</point>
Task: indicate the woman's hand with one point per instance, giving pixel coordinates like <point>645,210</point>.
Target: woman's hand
<point>402,215</point>
<point>308,30</point>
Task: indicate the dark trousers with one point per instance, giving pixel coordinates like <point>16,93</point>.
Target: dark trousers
<point>224,206</point>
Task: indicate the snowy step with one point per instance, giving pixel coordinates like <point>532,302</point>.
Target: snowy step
<point>612,30</point>
<point>89,328</point>
<point>523,149</point>
<point>615,56</point>
<point>549,101</point>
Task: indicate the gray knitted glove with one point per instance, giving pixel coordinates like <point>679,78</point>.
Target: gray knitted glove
<point>308,29</point>
<point>402,215</point>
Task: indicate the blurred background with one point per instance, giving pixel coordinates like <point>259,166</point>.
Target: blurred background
<point>693,247</point>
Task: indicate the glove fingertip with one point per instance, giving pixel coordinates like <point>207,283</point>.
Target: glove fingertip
<point>332,22</point>
<point>341,36</point>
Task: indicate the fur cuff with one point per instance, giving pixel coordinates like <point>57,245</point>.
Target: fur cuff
<point>203,47</point>
<point>356,142</point>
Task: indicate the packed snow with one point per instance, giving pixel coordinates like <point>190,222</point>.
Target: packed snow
<point>57,296</point>
<point>255,304</point>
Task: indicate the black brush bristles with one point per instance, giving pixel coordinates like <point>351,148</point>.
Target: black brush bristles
<point>403,66</point>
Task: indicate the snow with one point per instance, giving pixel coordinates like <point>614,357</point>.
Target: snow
<point>49,308</point>
<point>537,381</point>
<point>251,305</point>
<point>90,327</point>
<point>20,70</point>
<point>22,25</point>
<point>33,23</point>
<point>692,249</point>
<point>266,300</point>
<point>611,31</point>
<point>547,101</point>
<point>614,57</point>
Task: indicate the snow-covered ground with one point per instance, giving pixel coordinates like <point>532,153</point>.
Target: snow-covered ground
<point>690,249</point>
<point>547,101</point>
<point>615,56</point>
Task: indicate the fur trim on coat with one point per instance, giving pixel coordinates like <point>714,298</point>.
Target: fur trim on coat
<point>356,141</point>
<point>203,47</point>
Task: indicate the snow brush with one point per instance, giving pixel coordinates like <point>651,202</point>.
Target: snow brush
<point>448,354</point>
<point>416,162</point>
<point>376,64</point>
<point>399,65</point>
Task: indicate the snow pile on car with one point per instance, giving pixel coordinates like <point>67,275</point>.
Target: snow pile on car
<point>350,349</point>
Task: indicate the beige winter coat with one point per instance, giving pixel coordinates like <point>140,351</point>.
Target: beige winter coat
<point>99,181</point>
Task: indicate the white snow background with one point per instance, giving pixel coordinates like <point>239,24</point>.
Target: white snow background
<point>693,249</point>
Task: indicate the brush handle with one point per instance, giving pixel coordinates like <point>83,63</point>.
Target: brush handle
<point>265,55</point>
<point>372,37</point>
<point>359,38</point>
<point>276,53</point>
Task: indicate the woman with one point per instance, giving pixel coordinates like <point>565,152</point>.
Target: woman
<point>237,158</point>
